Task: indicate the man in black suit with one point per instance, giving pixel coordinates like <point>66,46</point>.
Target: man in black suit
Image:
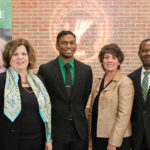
<point>141,107</point>
<point>69,124</point>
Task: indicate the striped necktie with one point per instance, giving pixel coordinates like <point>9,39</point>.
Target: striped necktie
<point>145,85</point>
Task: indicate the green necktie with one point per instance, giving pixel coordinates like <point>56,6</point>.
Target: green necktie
<point>145,85</point>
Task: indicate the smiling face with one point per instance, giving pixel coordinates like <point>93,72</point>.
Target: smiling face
<point>110,62</point>
<point>66,47</point>
<point>20,60</point>
<point>144,54</point>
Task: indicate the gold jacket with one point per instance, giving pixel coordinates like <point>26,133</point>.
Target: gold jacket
<point>114,109</point>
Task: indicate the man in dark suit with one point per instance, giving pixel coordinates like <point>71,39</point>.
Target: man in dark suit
<point>141,107</point>
<point>69,124</point>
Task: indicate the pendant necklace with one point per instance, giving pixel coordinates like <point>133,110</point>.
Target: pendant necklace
<point>27,90</point>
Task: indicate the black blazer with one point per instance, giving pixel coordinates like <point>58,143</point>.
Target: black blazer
<point>9,131</point>
<point>60,104</point>
<point>141,113</point>
<point>8,136</point>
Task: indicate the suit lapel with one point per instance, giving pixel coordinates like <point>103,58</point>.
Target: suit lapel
<point>138,87</point>
<point>148,97</point>
<point>59,77</point>
<point>110,86</point>
<point>114,81</point>
<point>60,81</point>
<point>78,70</point>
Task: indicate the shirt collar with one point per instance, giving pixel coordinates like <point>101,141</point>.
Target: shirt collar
<point>143,70</point>
<point>62,62</point>
<point>116,76</point>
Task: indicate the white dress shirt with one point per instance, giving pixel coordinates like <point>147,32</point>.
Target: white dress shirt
<point>142,76</point>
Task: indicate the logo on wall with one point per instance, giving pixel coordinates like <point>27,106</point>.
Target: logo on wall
<point>5,27</point>
<point>87,20</point>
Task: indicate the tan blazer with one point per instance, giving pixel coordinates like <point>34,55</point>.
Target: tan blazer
<point>114,108</point>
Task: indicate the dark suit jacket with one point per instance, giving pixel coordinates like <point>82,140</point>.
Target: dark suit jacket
<point>61,106</point>
<point>141,113</point>
<point>8,136</point>
<point>9,131</point>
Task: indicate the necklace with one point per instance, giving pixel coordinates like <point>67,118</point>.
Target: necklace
<point>27,90</point>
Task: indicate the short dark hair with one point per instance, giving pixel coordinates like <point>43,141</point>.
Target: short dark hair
<point>62,33</point>
<point>145,40</point>
<point>113,49</point>
<point>11,47</point>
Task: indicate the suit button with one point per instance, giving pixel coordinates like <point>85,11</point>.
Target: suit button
<point>69,117</point>
<point>144,112</point>
<point>12,130</point>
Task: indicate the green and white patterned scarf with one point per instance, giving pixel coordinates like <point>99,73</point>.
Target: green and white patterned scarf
<point>12,98</point>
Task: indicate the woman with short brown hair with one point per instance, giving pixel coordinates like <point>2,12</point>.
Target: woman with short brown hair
<point>112,99</point>
<point>25,109</point>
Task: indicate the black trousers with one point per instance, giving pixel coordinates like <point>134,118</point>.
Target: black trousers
<point>72,141</point>
<point>101,144</point>
<point>144,145</point>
